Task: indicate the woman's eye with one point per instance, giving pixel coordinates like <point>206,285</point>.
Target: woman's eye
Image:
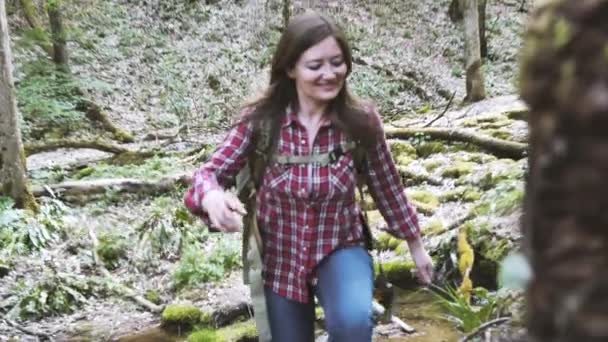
<point>337,62</point>
<point>314,67</point>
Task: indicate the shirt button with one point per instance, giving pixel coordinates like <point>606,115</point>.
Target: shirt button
<point>305,249</point>
<point>303,141</point>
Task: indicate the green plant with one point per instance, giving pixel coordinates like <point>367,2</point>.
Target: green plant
<point>482,308</point>
<point>53,295</point>
<point>112,248</point>
<point>167,229</point>
<point>22,231</point>
<point>196,267</point>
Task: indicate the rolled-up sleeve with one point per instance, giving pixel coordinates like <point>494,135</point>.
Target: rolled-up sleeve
<point>384,184</point>
<point>220,170</point>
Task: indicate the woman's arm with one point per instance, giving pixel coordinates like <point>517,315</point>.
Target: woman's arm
<point>220,169</point>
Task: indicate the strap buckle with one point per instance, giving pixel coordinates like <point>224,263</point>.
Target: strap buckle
<point>336,154</point>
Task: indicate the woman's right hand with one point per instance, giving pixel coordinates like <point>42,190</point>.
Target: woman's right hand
<point>225,210</point>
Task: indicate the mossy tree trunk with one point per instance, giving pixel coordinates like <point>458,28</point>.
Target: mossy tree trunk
<point>13,180</point>
<point>472,51</point>
<point>564,80</point>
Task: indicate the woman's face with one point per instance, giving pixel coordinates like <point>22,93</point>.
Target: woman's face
<point>320,71</point>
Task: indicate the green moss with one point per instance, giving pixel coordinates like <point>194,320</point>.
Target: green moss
<point>184,316</point>
<point>398,272</point>
<point>386,242</point>
<point>433,227</point>
<point>425,149</point>
<point>402,249</point>
<point>458,170</point>
<point>461,193</point>
<point>424,197</point>
<point>403,152</point>
<point>123,136</point>
<point>432,165</point>
<point>153,296</point>
<point>399,148</point>
<point>87,171</point>
<point>480,158</point>
<point>495,124</point>
<point>500,134</point>
<point>518,115</point>
<point>238,332</point>
<point>205,335</point>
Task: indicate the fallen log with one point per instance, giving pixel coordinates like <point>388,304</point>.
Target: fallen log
<point>119,185</point>
<point>499,147</point>
<point>94,113</point>
<point>51,145</point>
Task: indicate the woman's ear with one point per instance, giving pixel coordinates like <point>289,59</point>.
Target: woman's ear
<point>291,72</point>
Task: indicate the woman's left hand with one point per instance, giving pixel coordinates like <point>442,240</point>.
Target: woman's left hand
<point>424,263</point>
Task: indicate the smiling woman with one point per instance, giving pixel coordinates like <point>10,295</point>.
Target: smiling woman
<point>311,230</point>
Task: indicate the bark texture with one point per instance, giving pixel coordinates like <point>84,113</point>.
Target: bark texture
<point>60,52</point>
<point>564,80</point>
<point>13,180</point>
<point>474,76</point>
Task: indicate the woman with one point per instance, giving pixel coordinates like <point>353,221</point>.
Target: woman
<point>307,214</point>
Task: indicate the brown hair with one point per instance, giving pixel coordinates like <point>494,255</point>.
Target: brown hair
<point>302,32</point>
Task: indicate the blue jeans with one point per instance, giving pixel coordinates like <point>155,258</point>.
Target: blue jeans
<point>345,291</point>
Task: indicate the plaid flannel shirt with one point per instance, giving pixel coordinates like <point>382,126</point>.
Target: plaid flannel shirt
<point>305,212</point>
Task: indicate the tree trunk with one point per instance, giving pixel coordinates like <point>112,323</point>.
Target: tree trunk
<point>474,76</point>
<point>483,43</point>
<point>13,181</point>
<point>286,12</point>
<point>564,80</point>
<point>60,52</point>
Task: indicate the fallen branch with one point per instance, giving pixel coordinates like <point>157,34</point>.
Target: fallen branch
<point>50,145</point>
<point>119,185</point>
<point>442,113</point>
<point>25,330</point>
<point>498,147</point>
<point>123,290</point>
<point>483,327</point>
<point>94,113</point>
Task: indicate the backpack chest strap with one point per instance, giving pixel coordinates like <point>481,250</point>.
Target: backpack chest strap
<point>322,159</point>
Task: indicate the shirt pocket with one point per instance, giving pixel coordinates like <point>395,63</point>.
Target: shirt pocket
<point>342,177</point>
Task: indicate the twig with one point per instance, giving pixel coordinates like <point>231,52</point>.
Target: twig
<point>26,330</point>
<point>442,113</point>
<point>485,326</point>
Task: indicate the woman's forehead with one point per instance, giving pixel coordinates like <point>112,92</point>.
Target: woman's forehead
<point>327,48</point>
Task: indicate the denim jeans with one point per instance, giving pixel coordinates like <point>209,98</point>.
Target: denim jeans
<point>345,291</point>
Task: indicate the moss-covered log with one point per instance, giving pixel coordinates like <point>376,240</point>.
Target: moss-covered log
<point>95,113</point>
<point>500,148</point>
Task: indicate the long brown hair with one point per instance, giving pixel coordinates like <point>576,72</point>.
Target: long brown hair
<point>302,32</point>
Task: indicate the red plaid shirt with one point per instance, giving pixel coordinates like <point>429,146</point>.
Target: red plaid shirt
<point>305,212</point>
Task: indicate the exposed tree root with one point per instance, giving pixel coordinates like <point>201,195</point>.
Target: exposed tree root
<point>95,113</point>
<point>50,145</point>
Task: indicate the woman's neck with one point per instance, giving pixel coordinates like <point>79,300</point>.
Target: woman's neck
<point>311,111</point>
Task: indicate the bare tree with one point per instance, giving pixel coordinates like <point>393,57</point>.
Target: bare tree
<point>564,80</point>
<point>472,51</point>
<point>13,180</point>
<point>60,52</point>
<point>475,43</point>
